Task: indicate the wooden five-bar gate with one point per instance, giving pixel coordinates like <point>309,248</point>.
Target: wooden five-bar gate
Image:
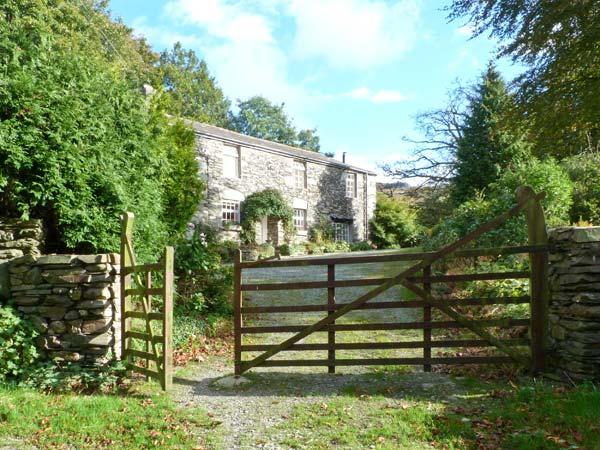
<point>418,279</point>
<point>146,349</point>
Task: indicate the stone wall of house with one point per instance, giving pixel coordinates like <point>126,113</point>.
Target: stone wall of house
<point>574,315</point>
<point>17,238</point>
<point>73,301</point>
<point>324,194</point>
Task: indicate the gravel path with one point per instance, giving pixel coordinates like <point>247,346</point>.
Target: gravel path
<point>249,412</point>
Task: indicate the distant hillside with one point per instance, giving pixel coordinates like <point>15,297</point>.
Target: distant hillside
<point>392,189</point>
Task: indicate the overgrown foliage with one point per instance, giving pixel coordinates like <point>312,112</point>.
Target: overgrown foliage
<point>394,223</point>
<point>266,203</point>
<point>584,170</point>
<point>547,176</point>
<point>204,284</point>
<point>79,143</point>
<point>17,345</point>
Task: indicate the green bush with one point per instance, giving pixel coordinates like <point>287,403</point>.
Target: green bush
<point>360,246</point>
<point>394,223</point>
<point>321,231</point>
<point>17,345</point>
<point>266,251</point>
<point>541,175</point>
<point>204,282</point>
<point>584,171</point>
<point>292,249</point>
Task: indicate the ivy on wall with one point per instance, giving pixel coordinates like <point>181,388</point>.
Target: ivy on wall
<point>269,203</point>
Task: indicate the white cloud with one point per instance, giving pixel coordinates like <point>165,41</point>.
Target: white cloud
<point>464,58</point>
<point>465,30</point>
<point>241,51</point>
<point>381,96</point>
<point>354,34</point>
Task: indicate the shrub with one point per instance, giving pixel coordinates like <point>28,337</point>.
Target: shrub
<point>292,249</point>
<point>321,230</point>
<point>360,246</point>
<point>541,175</point>
<point>17,345</point>
<point>584,171</point>
<point>204,283</point>
<point>394,223</point>
<point>266,251</point>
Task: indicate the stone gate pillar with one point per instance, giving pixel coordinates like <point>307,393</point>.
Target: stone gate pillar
<point>574,314</point>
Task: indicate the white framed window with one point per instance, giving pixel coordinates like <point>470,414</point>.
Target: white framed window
<point>231,162</point>
<point>300,174</point>
<point>300,218</point>
<point>230,211</point>
<point>350,185</point>
<point>341,231</point>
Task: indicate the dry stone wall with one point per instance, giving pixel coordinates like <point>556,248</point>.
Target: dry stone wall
<point>17,238</point>
<point>574,316</point>
<point>73,301</point>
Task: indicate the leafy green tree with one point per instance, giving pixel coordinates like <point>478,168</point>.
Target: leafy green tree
<point>557,41</point>
<point>189,88</point>
<point>394,223</point>
<point>309,140</point>
<point>79,143</point>
<point>260,118</point>
<point>486,148</point>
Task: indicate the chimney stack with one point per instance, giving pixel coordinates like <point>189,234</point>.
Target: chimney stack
<point>344,157</point>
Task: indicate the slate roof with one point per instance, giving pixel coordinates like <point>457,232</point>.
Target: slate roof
<point>223,134</point>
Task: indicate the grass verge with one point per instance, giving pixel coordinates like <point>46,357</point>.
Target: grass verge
<point>537,416</point>
<point>32,418</point>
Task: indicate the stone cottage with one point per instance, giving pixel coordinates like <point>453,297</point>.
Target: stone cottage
<point>317,187</point>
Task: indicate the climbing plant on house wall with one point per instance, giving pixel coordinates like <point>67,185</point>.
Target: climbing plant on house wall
<point>269,203</point>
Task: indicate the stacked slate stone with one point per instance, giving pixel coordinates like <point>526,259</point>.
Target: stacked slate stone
<point>20,237</point>
<point>73,301</point>
<point>574,315</point>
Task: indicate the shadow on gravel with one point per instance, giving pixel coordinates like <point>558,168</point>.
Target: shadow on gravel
<point>286,384</point>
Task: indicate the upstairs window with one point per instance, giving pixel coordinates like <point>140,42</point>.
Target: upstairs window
<point>350,185</point>
<point>231,211</point>
<point>300,174</point>
<point>231,162</point>
<point>300,218</point>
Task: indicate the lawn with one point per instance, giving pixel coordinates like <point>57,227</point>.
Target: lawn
<point>31,419</point>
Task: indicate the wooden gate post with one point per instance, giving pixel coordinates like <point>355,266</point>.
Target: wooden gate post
<point>538,283</point>
<point>237,313</point>
<point>331,310</point>
<point>167,362</point>
<point>126,262</point>
<point>427,321</point>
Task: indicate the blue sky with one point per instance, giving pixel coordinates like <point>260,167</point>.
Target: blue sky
<point>357,70</point>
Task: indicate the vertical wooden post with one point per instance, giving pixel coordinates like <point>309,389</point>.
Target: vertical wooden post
<point>148,324</point>
<point>426,321</point>
<point>538,283</point>
<point>167,362</point>
<point>237,313</point>
<point>331,310</point>
<point>126,262</point>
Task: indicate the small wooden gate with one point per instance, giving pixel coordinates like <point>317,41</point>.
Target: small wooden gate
<point>418,279</point>
<point>146,348</point>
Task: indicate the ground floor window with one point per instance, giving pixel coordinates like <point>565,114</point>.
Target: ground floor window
<point>341,231</point>
<point>300,218</point>
<point>231,211</point>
